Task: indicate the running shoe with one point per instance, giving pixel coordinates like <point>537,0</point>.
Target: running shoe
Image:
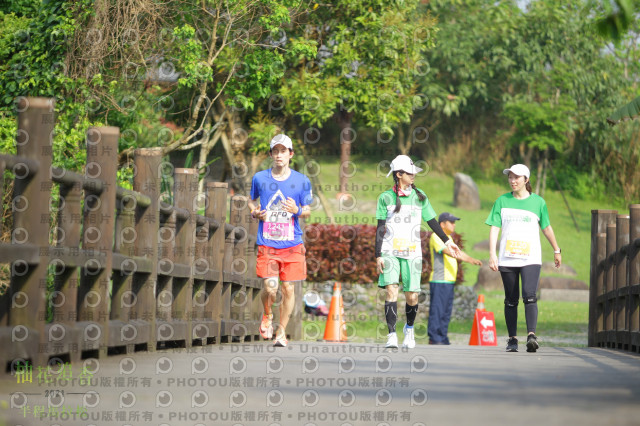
<point>532,343</point>
<point>392,341</point>
<point>281,340</point>
<point>512,345</point>
<point>266,326</point>
<point>409,341</point>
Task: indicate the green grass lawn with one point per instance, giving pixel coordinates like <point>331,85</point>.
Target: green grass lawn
<point>556,319</point>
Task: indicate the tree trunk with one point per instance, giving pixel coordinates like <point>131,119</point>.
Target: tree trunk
<point>205,149</point>
<point>526,153</point>
<point>539,177</point>
<point>313,178</point>
<point>235,140</point>
<point>544,172</point>
<point>404,143</point>
<point>346,133</point>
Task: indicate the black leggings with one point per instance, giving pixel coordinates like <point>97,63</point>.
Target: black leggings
<point>530,276</point>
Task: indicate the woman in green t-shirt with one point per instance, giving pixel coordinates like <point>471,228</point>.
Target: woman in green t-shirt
<point>520,214</point>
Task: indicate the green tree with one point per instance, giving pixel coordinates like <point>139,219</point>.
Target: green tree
<point>548,55</point>
<point>616,17</point>
<point>368,54</point>
<point>540,129</point>
<point>33,46</point>
<point>167,72</point>
<point>465,79</point>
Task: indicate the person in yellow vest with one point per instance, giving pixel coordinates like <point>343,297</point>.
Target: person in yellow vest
<point>444,270</point>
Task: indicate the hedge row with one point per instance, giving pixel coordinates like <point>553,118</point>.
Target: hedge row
<point>346,253</point>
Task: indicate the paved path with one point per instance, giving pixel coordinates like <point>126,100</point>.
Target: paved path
<point>310,383</point>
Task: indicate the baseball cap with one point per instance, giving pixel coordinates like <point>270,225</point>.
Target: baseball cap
<point>447,217</point>
<point>518,170</point>
<point>281,139</point>
<point>404,163</point>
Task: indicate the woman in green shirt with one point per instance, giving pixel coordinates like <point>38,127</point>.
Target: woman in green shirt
<point>520,214</point>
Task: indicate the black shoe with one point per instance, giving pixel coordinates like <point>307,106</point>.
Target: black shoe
<point>512,345</point>
<point>532,343</point>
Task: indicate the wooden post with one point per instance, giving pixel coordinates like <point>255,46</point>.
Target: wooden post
<point>65,298</point>
<point>200,266</point>
<point>31,219</point>
<point>599,221</point>
<point>601,255</point>
<point>200,326</point>
<point>609,289</point>
<point>239,296</point>
<point>217,210</point>
<point>121,332</point>
<point>5,299</point>
<point>99,222</point>
<point>69,233</point>
<point>164,295</point>
<point>3,167</point>
<point>634,251</point>
<point>622,281</point>
<point>622,239</point>
<point>254,282</point>
<point>634,278</point>
<point>124,244</point>
<point>227,322</point>
<point>147,180</point>
<point>185,191</point>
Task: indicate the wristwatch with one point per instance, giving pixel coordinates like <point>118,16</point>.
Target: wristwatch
<point>557,251</point>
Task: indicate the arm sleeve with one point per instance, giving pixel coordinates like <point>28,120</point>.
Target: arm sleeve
<point>255,189</point>
<point>427,210</point>
<point>495,217</point>
<point>306,195</point>
<point>380,230</point>
<point>433,224</point>
<point>544,216</point>
<point>381,207</point>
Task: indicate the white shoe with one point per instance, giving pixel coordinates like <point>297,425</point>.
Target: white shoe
<point>392,341</point>
<point>409,341</point>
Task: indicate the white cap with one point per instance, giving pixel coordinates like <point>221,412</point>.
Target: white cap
<point>281,139</point>
<point>518,170</point>
<point>404,163</point>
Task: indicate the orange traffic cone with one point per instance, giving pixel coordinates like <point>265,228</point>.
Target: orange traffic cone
<point>480,302</point>
<point>336,328</point>
<point>483,330</point>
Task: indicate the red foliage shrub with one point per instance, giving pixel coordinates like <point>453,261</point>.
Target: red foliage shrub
<point>347,253</point>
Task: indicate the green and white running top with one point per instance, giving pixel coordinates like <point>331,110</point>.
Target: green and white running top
<point>521,221</point>
<point>402,234</point>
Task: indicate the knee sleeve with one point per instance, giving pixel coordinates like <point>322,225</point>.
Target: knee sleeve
<point>510,304</point>
<point>528,300</point>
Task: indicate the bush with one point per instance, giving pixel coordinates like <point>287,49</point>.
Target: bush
<point>346,253</point>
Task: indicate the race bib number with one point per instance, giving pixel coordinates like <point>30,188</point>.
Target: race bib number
<point>517,249</point>
<point>278,226</point>
<point>403,247</point>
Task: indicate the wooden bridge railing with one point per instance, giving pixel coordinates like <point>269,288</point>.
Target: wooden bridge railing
<point>614,298</point>
<point>128,271</point>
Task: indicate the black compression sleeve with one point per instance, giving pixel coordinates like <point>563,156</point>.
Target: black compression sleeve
<point>433,224</point>
<point>380,230</point>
